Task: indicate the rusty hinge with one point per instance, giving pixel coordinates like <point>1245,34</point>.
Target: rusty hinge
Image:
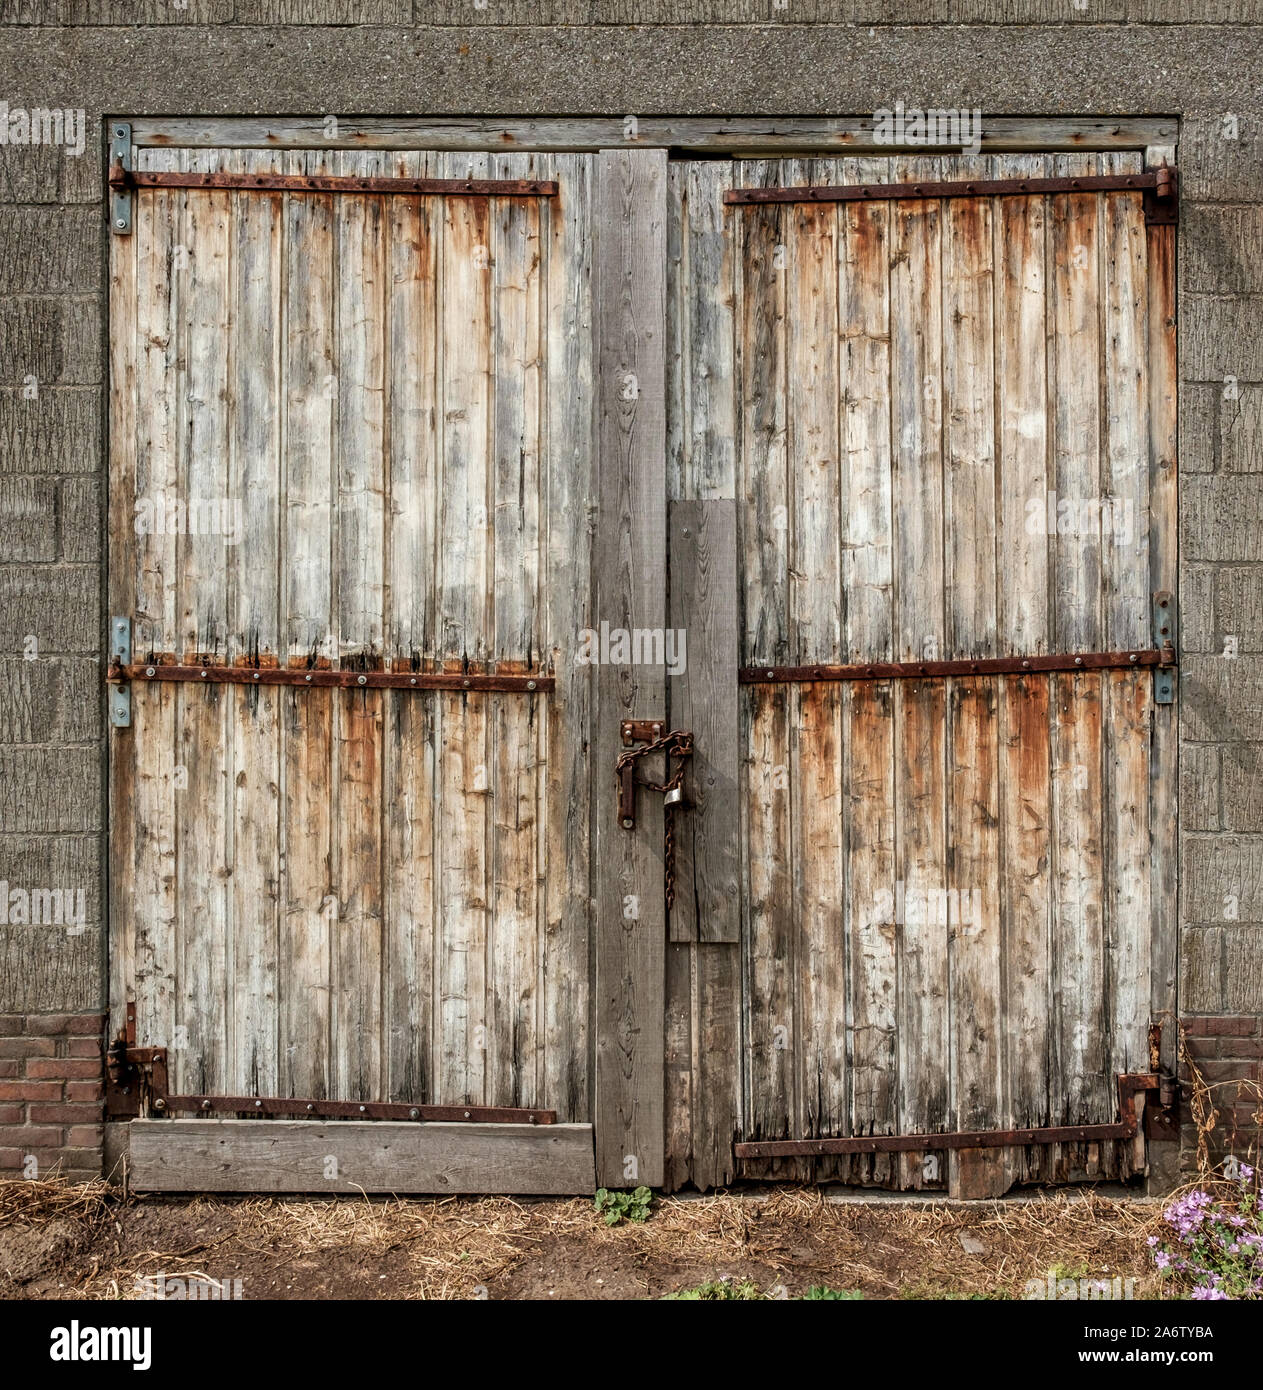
<point>124,179</point>
<point>1162,201</point>
<point>969,666</point>
<point>1160,188</point>
<point>1127,1126</point>
<point>121,672</point>
<point>136,1084</point>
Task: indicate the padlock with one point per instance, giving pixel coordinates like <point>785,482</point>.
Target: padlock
<point>673,797</point>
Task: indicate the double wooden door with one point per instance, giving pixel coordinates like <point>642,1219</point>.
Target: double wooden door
<point>457,436</point>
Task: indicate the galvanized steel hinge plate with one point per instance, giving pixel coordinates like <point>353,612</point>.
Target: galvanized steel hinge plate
<point>120,196</point>
<point>120,695</point>
<point>1164,640</point>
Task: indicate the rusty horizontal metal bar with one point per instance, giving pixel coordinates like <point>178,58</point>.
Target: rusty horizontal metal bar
<point>981,666</point>
<point>1124,1128</point>
<point>353,1109</point>
<point>1162,183</point>
<point>143,673</point>
<point>121,178</point>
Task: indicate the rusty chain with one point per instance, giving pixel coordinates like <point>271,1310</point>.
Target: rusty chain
<point>677,745</point>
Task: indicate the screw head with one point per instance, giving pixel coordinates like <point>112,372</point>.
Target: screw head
<point>149,671</point>
<point>530,685</point>
<point>120,222</point>
<point>628,824</point>
<point>307,678</point>
<point>362,680</point>
<point>256,675</point>
<point>413,1114</point>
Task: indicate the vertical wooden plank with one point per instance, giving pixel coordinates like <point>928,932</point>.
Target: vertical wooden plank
<point>769,1097</point>
<point>1127,695</point>
<point>629,545</point>
<point>1074,387</point>
<point>359,564</point>
<point>1163,577</point>
<point>867,771</point>
<point>570,493</point>
<point>309,905</point>
<point>144,884</point>
<point>703,698</point>
<point>1082,1089</point>
<point>1025,828</point>
<point>974,934</point>
<point>709,428</point>
<point>311,398</point>
<point>204,845</point>
<point>126,357</point>
<point>514,1037</point>
<point>969,489</point>
<point>466,617</point>
<point>409,755</point>
<point>815,605</point>
<point>969,520</point>
<point>916,336</point>
<point>254,493</point>
<point>1022,541</point>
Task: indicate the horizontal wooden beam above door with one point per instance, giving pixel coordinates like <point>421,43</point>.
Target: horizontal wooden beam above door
<point>702,135</point>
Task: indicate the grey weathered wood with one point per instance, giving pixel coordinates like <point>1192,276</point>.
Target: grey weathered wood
<point>703,698</point>
<point>745,135</point>
<point>377,1156</point>
<point>399,393</point>
<point>630,543</point>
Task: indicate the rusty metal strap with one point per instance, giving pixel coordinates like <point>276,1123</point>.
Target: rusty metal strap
<point>121,178</point>
<point>981,666</point>
<point>370,680</point>
<point>1126,1127</point>
<point>1160,183</point>
<point>353,1110</point>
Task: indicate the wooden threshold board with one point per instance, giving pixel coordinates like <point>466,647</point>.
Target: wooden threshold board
<point>370,1156</point>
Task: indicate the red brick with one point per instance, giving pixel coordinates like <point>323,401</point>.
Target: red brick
<point>89,1025</point>
<point>10,1066</point>
<point>48,1025</point>
<point>84,1136</point>
<point>10,1158</point>
<point>37,1137</point>
<point>64,1068</point>
<point>1239,1027</point>
<point>84,1047</point>
<point>12,1025</point>
<point>1241,1047</point>
<point>27,1047</point>
<point>85,1090</point>
<point>74,1114</point>
<point>10,1114</point>
<point>30,1090</point>
<point>1229,1071</point>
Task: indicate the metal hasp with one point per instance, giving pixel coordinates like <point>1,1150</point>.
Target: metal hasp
<point>1164,634</point>
<point>120,700</point>
<point>981,666</point>
<point>1160,188</point>
<point>1130,1085</point>
<point>120,170</point>
<point>136,1084</point>
<point>209,674</point>
<point>123,179</point>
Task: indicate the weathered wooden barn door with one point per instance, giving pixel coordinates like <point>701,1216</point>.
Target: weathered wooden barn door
<point>353,433</point>
<point>907,431</point>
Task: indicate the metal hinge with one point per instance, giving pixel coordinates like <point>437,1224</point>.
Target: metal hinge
<point>120,656</point>
<point>1164,640</point>
<point>120,193</point>
<point>1162,201</point>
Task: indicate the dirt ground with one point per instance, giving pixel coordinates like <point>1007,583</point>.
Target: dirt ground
<point>58,1241</point>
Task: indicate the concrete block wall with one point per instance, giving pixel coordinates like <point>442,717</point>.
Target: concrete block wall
<point>1195,59</point>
